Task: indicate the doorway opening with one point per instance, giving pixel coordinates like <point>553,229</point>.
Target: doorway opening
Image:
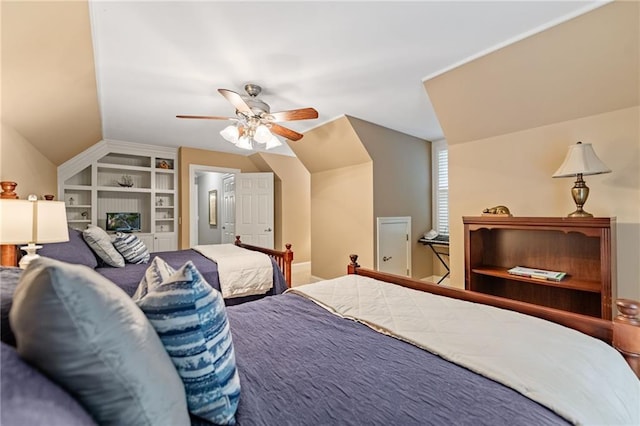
<point>207,226</point>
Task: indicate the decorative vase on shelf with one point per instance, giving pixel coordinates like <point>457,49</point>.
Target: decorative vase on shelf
<point>71,201</point>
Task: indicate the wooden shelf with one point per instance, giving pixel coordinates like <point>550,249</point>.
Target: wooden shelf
<point>567,282</point>
<point>583,248</point>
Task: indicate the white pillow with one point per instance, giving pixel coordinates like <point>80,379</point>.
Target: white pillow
<point>100,242</point>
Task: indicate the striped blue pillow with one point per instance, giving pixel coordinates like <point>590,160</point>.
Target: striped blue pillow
<point>191,320</point>
<point>131,248</point>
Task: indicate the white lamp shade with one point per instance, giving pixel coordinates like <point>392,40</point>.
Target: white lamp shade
<point>581,159</point>
<point>16,221</point>
<point>244,143</point>
<point>230,133</point>
<point>23,221</point>
<point>262,134</point>
<point>51,222</point>
<point>273,142</point>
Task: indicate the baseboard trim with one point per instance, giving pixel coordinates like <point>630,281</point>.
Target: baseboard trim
<point>300,267</point>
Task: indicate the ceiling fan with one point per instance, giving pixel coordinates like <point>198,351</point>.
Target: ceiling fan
<point>255,121</point>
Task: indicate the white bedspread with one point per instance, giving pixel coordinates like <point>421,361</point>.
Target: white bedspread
<point>581,378</point>
<point>241,272</point>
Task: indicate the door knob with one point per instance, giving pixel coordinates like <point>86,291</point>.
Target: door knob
<point>385,258</point>
<point>267,230</point>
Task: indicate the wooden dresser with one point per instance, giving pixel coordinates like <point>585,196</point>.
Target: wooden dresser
<point>584,248</point>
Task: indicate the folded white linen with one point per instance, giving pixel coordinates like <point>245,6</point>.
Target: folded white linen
<point>579,377</point>
<point>241,272</point>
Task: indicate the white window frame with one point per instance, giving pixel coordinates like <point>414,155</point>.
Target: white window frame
<point>440,189</point>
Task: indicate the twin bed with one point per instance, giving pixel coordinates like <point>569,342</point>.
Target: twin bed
<point>367,349</point>
<point>78,252</point>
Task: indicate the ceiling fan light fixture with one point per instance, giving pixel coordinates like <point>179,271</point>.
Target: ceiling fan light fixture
<point>262,134</point>
<point>244,143</point>
<point>231,134</point>
<point>274,142</point>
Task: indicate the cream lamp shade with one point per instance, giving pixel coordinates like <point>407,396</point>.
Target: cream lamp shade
<point>581,160</point>
<point>32,222</point>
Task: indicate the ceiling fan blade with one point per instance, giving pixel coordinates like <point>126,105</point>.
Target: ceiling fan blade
<point>286,133</point>
<point>205,117</point>
<point>236,100</point>
<point>295,114</point>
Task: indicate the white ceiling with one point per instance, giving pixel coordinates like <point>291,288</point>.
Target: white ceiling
<point>364,59</point>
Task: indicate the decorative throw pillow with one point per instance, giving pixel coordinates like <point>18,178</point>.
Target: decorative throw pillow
<point>75,250</point>
<point>191,320</point>
<point>100,243</point>
<point>131,248</point>
<point>88,336</point>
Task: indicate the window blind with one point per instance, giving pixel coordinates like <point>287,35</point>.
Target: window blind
<point>441,189</point>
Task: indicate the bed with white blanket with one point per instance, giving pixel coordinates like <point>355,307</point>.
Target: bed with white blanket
<point>240,284</point>
<point>376,349</point>
<point>364,351</point>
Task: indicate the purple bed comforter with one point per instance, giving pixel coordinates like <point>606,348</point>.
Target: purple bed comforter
<point>129,277</point>
<point>301,365</point>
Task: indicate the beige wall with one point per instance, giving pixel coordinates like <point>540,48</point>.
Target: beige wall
<point>361,171</point>
<point>21,162</point>
<point>583,67</point>
<point>49,91</point>
<point>401,184</point>
<point>293,223</point>
<point>341,219</point>
<point>515,170</point>
<point>510,116</point>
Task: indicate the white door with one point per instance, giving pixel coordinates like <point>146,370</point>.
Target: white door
<point>394,246</point>
<point>228,216</point>
<point>254,208</point>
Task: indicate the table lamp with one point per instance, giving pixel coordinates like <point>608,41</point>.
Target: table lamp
<point>32,222</point>
<point>581,160</point>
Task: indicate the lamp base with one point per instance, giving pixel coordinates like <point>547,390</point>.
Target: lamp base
<point>580,213</point>
<point>580,193</point>
<point>31,255</point>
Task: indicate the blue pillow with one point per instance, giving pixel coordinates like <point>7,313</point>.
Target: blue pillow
<point>191,320</point>
<point>88,336</point>
<point>131,248</point>
<point>74,251</point>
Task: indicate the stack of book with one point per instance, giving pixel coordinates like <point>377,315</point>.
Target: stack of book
<point>540,274</point>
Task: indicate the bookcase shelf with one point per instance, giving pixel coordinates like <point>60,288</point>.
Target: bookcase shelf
<point>567,282</point>
<point>89,186</point>
<point>584,248</point>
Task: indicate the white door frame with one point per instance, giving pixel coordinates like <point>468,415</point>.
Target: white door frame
<point>193,194</point>
<point>395,219</point>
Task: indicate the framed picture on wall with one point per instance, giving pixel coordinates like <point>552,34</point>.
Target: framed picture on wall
<point>213,207</point>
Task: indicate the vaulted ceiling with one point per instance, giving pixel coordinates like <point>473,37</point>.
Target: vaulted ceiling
<point>75,72</point>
